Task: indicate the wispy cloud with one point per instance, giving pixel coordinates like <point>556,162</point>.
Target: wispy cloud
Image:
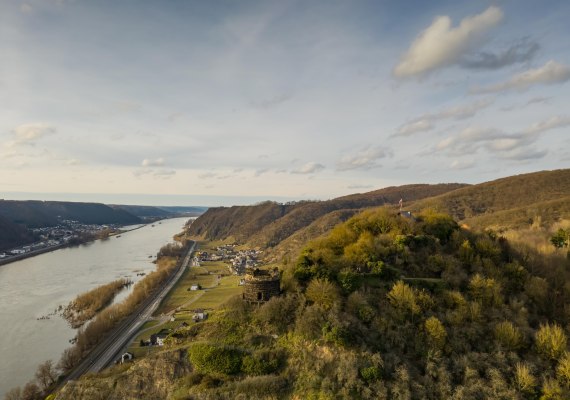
<point>512,146</point>
<point>426,122</point>
<point>157,162</point>
<point>462,164</point>
<point>520,52</point>
<point>441,44</point>
<point>30,133</point>
<point>549,74</point>
<point>309,168</point>
<point>366,158</point>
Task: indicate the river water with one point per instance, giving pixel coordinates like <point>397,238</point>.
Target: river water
<point>35,287</point>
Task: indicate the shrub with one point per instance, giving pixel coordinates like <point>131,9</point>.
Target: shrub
<point>525,382</point>
<point>209,358</point>
<point>403,298</point>
<point>551,341</point>
<point>323,293</point>
<point>508,335</point>
<point>436,333</point>
<point>563,369</point>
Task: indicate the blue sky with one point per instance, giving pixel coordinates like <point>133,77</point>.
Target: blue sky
<point>229,102</point>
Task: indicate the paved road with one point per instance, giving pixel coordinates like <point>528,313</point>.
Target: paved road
<point>108,350</point>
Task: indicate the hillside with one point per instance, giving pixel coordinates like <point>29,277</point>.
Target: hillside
<point>17,217</point>
<point>268,223</point>
<point>13,235</point>
<point>382,307</point>
<point>34,214</point>
<point>540,191</point>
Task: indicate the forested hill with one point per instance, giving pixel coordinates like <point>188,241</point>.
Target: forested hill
<point>515,201</point>
<point>12,235</point>
<point>34,214</point>
<point>269,223</point>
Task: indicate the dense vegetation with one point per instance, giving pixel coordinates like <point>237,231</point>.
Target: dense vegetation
<point>35,214</point>
<point>269,223</point>
<point>515,201</point>
<point>88,304</point>
<point>12,235</point>
<point>383,307</point>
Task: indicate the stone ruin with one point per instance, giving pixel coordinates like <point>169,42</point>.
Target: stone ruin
<point>260,285</point>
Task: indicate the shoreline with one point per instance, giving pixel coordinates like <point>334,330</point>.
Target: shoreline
<point>34,253</point>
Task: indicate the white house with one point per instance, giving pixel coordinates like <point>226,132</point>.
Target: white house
<point>127,357</point>
<point>195,287</point>
<point>199,315</point>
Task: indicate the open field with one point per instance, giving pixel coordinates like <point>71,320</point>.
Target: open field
<point>218,286</point>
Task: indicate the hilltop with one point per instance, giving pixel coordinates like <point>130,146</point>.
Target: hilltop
<point>267,224</point>
<point>513,201</point>
<point>519,201</point>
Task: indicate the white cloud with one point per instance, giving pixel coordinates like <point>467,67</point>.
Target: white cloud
<point>154,173</point>
<point>364,159</point>
<point>158,162</point>
<point>415,126</point>
<point>461,164</point>
<point>441,45</point>
<point>309,168</point>
<point>73,161</point>
<point>426,122</point>
<point>551,123</point>
<point>517,146</point>
<point>549,74</point>
<point>29,133</point>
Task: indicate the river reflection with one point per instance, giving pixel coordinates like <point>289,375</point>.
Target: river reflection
<point>34,288</point>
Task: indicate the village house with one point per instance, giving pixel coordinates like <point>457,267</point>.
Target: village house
<point>199,315</point>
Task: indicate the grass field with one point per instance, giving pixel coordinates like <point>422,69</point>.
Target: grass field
<point>218,286</point>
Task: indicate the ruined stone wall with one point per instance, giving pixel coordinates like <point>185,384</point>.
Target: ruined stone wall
<point>260,286</point>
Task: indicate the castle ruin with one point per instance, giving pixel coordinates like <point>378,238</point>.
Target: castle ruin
<point>260,285</point>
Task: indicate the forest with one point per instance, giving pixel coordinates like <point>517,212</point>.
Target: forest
<point>385,306</point>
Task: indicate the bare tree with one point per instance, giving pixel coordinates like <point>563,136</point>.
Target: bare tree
<point>69,359</point>
<point>32,392</point>
<point>46,374</point>
<point>14,394</point>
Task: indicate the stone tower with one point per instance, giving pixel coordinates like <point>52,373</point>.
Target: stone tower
<point>260,285</point>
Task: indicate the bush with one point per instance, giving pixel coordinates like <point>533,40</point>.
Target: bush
<point>508,335</point>
<point>208,358</point>
<point>551,341</point>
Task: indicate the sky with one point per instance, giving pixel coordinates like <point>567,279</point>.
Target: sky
<point>232,102</point>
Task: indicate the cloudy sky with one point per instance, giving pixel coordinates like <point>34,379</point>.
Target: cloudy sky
<point>220,102</point>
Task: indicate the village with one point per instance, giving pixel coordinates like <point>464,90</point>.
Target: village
<point>67,232</point>
<point>216,273</point>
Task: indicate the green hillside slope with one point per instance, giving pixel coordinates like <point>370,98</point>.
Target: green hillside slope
<point>268,224</point>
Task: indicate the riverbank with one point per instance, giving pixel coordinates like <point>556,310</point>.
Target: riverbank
<point>49,249</point>
<point>36,286</point>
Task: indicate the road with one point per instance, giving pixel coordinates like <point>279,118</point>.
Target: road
<point>107,351</point>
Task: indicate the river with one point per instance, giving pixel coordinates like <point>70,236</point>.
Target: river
<point>35,287</point>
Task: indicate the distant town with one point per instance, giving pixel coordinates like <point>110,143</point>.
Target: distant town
<point>66,233</point>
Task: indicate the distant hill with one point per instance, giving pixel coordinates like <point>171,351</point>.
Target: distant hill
<point>13,235</point>
<point>514,201</point>
<point>511,202</point>
<point>270,223</point>
<point>161,211</point>
<point>16,217</point>
<point>35,214</point>
<point>181,210</point>
<point>143,211</point>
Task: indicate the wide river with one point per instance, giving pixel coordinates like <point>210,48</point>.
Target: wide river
<point>35,287</point>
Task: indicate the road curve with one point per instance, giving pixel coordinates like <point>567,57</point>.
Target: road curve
<point>108,350</point>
